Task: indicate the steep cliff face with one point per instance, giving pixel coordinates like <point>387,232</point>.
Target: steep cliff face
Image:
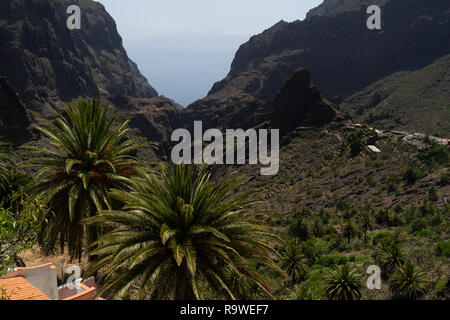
<point>43,59</point>
<point>44,65</point>
<point>342,54</point>
<point>300,103</point>
<point>13,119</point>
<point>416,101</point>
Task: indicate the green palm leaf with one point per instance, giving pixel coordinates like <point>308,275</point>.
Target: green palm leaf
<point>180,233</point>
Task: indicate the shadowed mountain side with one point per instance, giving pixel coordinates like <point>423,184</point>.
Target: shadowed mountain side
<point>414,101</point>
<point>299,103</point>
<point>43,59</point>
<point>153,118</point>
<point>340,51</point>
<point>47,64</point>
<point>13,119</point>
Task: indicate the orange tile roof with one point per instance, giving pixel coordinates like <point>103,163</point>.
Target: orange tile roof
<point>17,288</point>
<point>87,293</point>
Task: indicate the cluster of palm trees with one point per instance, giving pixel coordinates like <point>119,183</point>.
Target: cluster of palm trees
<point>405,280</point>
<point>345,282</point>
<point>173,233</point>
<point>342,283</point>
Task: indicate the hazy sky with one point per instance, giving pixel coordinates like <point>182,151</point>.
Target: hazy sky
<point>183,47</point>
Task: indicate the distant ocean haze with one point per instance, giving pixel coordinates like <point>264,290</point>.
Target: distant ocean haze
<point>184,47</point>
<point>184,67</point>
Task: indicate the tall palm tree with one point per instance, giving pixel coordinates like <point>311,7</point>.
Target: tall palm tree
<point>11,179</point>
<point>389,255</point>
<point>366,220</point>
<point>300,229</point>
<point>88,157</point>
<point>343,283</point>
<point>294,262</point>
<point>5,172</point>
<point>179,232</point>
<point>407,282</point>
<point>349,231</point>
<point>5,162</point>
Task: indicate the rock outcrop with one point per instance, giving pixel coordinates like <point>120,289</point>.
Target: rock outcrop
<point>43,59</point>
<point>299,103</point>
<point>335,44</point>
<point>13,118</point>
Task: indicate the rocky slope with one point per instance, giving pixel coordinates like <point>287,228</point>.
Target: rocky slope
<point>42,58</point>
<point>336,46</point>
<point>45,65</point>
<point>414,101</point>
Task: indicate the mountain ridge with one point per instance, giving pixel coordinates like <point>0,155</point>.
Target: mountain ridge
<point>347,56</point>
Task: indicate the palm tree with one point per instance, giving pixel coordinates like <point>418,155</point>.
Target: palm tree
<point>305,292</point>
<point>317,228</point>
<point>294,262</point>
<point>300,229</point>
<point>5,173</point>
<point>407,282</point>
<point>365,220</point>
<point>343,283</point>
<point>5,162</point>
<point>88,157</point>
<point>389,255</point>
<point>180,232</point>
<point>349,231</point>
<point>11,179</point>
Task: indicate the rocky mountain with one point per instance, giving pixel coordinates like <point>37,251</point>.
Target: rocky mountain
<point>334,43</point>
<point>44,65</point>
<point>409,100</point>
<point>42,58</point>
<point>13,119</point>
<point>300,103</point>
<point>332,8</point>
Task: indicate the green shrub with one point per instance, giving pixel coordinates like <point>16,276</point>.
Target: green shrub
<point>313,249</point>
<point>396,220</point>
<point>411,175</point>
<point>436,155</point>
<point>445,178</point>
<point>440,287</point>
<point>442,248</point>
<point>392,182</point>
<point>382,218</point>
<point>316,194</point>
<point>333,260</point>
<point>432,194</point>
<point>342,205</point>
<point>417,225</point>
<point>371,181</point>
<point>381,237</point>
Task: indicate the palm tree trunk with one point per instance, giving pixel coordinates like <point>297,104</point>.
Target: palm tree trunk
<point>184,289</point>
<point>93,236</point>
